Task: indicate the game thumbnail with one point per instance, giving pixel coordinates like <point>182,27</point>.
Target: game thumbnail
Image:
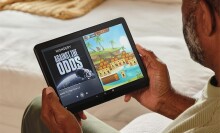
<point>113,57</point>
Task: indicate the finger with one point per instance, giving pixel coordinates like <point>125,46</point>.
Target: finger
<point>149,58</point>
<point>78,118</point>
<point>127,98</point>
<point>145,52</point>
<point>150,53</point>
<point>82,115</point>
<point>146,62</point>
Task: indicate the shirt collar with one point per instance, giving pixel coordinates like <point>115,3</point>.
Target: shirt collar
<point>210,90</point>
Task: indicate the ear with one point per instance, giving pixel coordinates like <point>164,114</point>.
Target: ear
<point>207,18</point>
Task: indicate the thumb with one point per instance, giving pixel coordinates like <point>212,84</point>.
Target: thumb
<point>55,104</point>
<point>52,96</point>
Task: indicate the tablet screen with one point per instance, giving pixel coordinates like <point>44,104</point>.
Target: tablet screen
<point>92,64</point>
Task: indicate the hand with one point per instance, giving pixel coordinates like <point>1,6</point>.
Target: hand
<point>56,117</point>
<point>160,86</point>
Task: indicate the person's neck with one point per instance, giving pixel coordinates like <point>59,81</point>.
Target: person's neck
<point>217,71</point>
<point>217,76</point>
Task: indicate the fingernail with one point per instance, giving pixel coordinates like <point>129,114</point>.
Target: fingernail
<point>49,96</point>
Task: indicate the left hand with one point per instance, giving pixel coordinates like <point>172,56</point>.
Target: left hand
<point>56,117</point>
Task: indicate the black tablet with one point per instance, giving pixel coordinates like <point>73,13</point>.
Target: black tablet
<point>93,65</point>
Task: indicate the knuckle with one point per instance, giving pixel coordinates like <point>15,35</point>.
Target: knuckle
<point>161,62</point>
<point>164,65</point>
<point>63,118</point>
<point>151,52</point>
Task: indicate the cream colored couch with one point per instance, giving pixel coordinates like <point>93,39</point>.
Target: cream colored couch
<point>156,26</point>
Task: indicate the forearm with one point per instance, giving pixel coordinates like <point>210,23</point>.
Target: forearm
<point>174,104</point>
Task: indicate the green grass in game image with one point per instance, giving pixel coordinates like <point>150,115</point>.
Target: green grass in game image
<point>113,57</point>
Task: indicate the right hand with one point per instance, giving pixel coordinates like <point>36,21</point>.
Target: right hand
<point>160,86</point>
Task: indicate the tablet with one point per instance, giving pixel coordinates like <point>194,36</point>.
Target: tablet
<point>93,65</point>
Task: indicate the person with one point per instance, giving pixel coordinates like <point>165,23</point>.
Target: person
<point>201,28</point>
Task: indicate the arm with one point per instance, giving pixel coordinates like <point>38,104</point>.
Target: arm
<point>159,96</point>
<point>173,105</point>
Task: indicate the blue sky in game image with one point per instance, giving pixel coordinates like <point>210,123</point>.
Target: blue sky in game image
<point>115,33</point>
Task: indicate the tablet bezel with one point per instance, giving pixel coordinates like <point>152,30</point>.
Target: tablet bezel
<point>106,95</point>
